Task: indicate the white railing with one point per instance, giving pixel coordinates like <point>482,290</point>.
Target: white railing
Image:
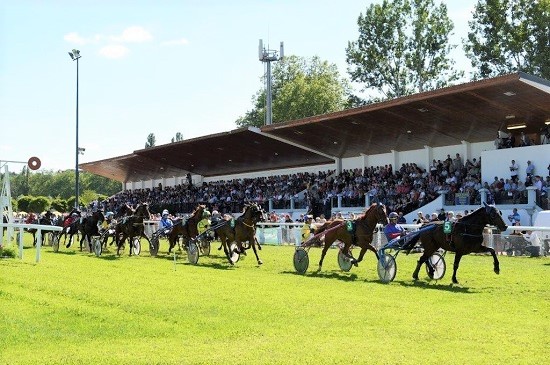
<point>290,234</point>
<point>21,227</point>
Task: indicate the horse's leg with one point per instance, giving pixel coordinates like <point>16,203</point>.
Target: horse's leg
<point>328,243</point>
<point>496,264</point>
<point>421,261</point>
<point>253,244</point>
<point>458,256</point>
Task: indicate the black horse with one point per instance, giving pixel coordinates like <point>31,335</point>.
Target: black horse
<point>90,227</point>
<point>46,220</point>
<point>132,226</point>
<point>466,237</point>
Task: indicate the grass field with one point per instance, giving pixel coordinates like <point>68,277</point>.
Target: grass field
<point>75,308</point>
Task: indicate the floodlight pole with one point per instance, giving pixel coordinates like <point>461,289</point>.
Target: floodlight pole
<point>75,55</point>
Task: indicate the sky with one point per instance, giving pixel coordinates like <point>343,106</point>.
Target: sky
<point>161,67</point>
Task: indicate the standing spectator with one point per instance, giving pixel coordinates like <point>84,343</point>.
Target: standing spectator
<point>524,140</point>
<point>530,169</point>
<point>514,167</point>
<point>515,218</point>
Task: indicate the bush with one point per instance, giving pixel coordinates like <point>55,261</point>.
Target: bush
<point>9,252</point>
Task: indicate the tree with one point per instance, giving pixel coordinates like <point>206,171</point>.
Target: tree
<point>403,48</point>
<point>508,36</point>
<point>151,141</point>
<point>179,137</point>
<point>39,204</point>
<point>300,88</point>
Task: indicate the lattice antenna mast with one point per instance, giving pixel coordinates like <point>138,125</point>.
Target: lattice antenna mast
<point>267,56</point>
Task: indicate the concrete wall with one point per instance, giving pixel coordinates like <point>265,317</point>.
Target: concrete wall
<point>497,162</point>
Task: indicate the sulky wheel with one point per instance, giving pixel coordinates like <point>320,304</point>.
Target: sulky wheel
<point>193,252</point>
<point>301,260</point>
<point>234,253</point>
<point>205,247</point>
<point>387,268</point>
<point>154,246</point>
<point>55,242</point>
<point>97,246</point>
<point>437,262</point>
<point>136,246</point>
<point>344,261</point>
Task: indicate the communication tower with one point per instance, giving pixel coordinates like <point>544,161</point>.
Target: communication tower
<point>267,56</point>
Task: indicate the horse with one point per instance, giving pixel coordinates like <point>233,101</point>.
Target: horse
<point>124,210</point>
<point>244,230</point>
<point>90,227</point>
<point>187,229</point>
<point>46,220</point>
<point>71,226</point>
<point>358,232</point>
<point>132,226</point>
<point>466,237</point>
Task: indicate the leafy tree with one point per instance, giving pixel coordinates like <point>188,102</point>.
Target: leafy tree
<point>60,205</point>
<point>39,204</point>
<point>179,137</point>
<point>403,48</point>
<point>151,141</point>
<point>508,36</point>
<point>300,88</point>
<point>23,203</point>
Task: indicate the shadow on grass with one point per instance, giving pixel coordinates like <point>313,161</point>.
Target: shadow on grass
<point>334,275</point>
<point>432,285</point>
<point>68,253</point>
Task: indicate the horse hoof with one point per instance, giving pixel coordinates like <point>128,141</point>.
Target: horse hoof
<point>260,262</point>
<point>497,271</point>
<point>354,263</point>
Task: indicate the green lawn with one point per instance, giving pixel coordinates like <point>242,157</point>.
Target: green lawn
<point>76,308</point>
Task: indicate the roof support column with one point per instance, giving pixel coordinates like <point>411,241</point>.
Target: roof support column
<point>395,159</point>
<point>466,151</point>
<point>428,157</point>
<point>338,165</point>
<point>365,161</point>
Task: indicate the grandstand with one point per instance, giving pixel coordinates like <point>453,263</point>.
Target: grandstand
<point>408,131</point>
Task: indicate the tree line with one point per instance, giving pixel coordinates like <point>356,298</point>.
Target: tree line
<point>39,191</point>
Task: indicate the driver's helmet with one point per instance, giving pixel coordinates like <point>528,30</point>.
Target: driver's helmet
<point>109,215</point>
<point>165,212</point>
<point>215,213</point>
<point>206,214</point>
<point>393,216</point>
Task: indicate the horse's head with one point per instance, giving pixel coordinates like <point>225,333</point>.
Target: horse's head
<point>142,211</point>
<point>199,213</point>
<point>493,217</point>
<point>98,217</point>
<point>376,212</point>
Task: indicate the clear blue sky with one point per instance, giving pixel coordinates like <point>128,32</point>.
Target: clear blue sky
<point>157,67</point>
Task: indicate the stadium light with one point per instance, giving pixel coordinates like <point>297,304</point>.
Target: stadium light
<point>75,55</point>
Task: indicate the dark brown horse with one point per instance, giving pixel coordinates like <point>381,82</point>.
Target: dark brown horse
<point>466,237</point>
<point>186,229</point>
<point>90,227</point>
<point>240,230</point>
<point>358,232</point>
<point>132,226</point>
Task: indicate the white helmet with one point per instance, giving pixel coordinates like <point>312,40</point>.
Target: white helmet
<point>165,212</point>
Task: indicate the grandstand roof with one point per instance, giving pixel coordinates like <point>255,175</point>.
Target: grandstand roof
<point>471,112</point>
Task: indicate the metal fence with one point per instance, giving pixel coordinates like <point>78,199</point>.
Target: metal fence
<point>514,244</point>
